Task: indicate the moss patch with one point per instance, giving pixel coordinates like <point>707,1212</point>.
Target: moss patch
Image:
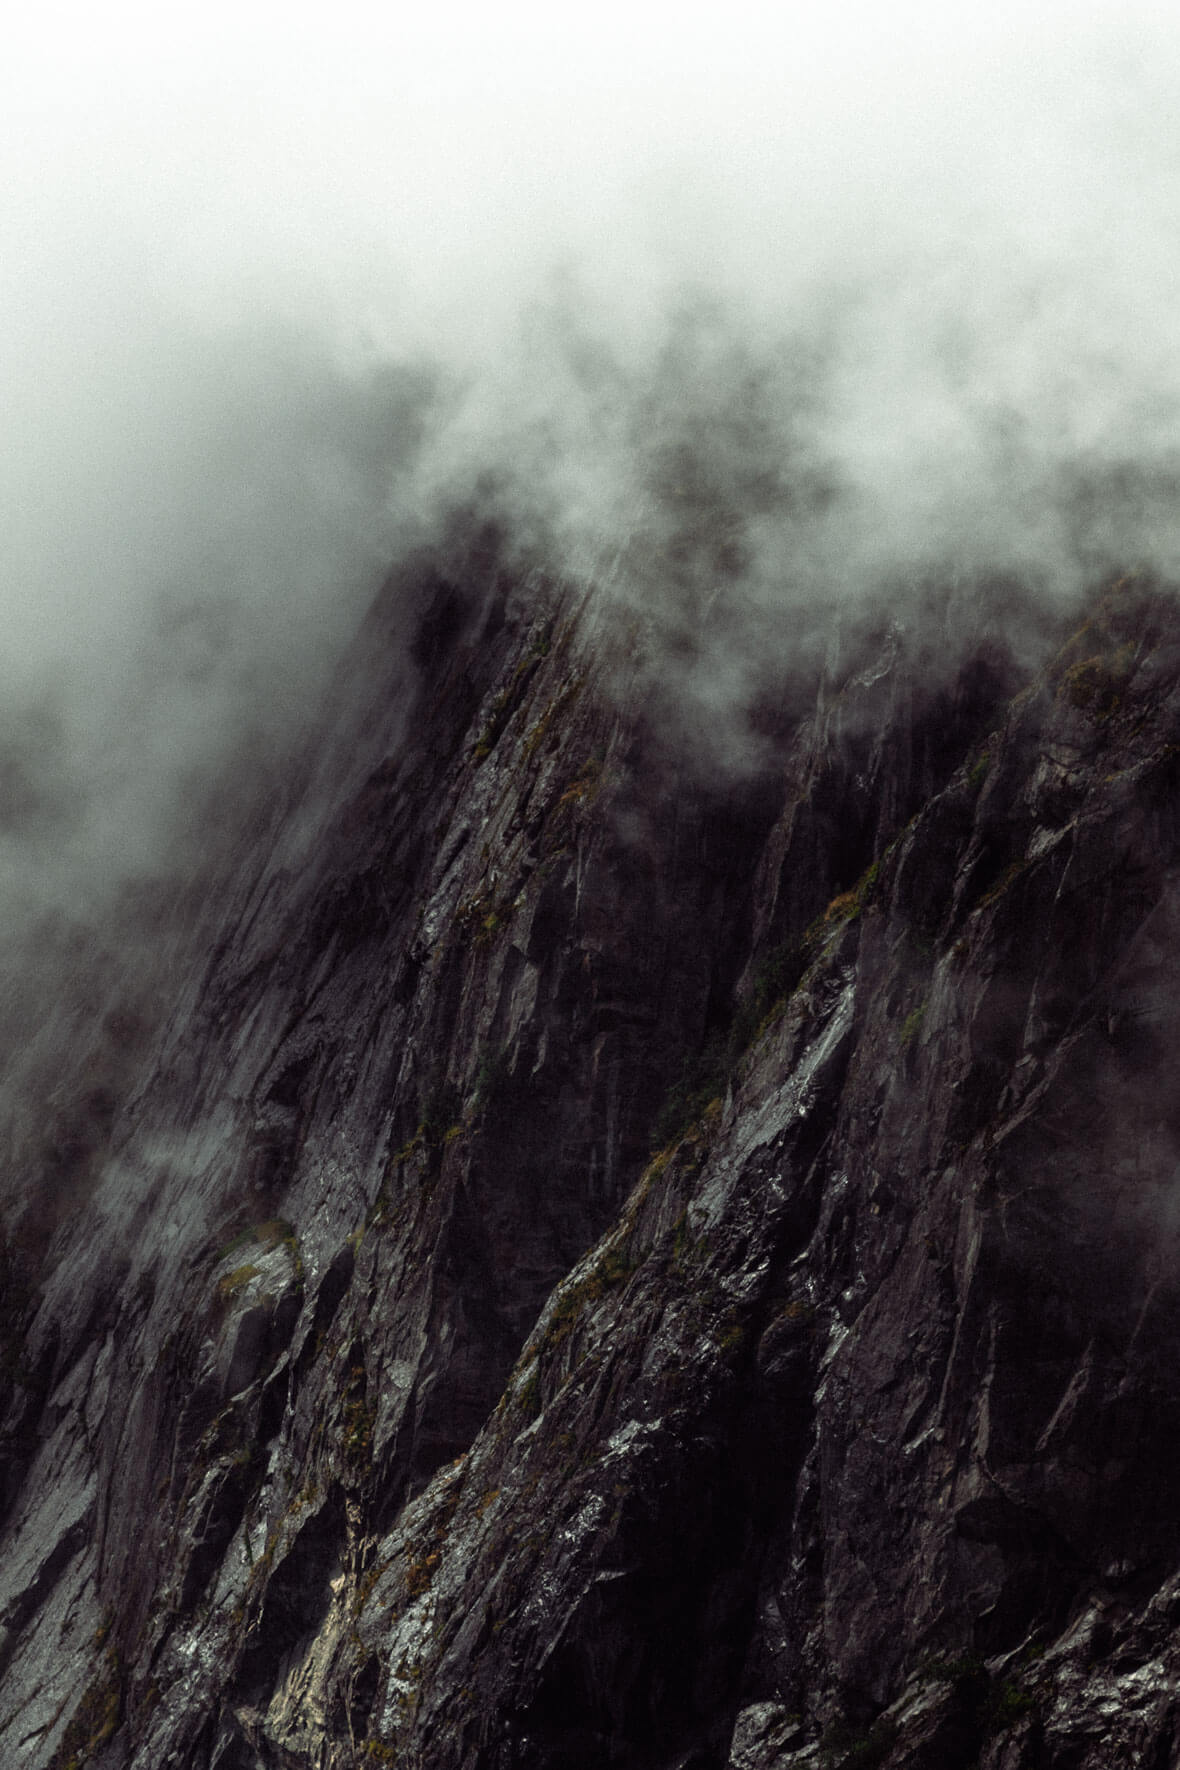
<point>551,717</point>
<point>235,1281</point>
<point>95,1720</point>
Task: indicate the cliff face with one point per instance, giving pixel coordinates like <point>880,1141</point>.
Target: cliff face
<point>389,1400</point>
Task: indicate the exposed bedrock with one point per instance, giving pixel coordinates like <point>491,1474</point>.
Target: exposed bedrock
<point>620,1261</point>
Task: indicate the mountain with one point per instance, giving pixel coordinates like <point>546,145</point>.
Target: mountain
<point>647,1238</point>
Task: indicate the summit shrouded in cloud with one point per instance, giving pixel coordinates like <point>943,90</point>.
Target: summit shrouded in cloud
<point>588,845</point>
<point>828,303</point>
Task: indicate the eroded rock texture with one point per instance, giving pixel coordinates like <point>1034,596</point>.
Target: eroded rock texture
<point>389,1401</point>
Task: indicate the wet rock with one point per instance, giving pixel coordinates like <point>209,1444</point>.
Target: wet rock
<point>398,1401</point>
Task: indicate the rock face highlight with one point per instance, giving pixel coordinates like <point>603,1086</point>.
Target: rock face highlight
<point>619,1262</point>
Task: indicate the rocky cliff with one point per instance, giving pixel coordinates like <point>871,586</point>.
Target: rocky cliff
<point>618,1258</point>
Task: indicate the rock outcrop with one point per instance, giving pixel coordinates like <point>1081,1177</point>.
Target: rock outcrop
<point>619,1261</point>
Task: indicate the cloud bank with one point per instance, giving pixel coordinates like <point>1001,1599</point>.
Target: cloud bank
<point>756,312</point>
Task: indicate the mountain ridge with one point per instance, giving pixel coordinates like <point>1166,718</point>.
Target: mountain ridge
<point>390,1401</point>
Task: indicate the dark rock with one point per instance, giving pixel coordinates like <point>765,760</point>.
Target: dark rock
<point>387,1399</point>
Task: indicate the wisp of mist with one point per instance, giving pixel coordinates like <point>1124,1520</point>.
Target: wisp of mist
<point>745,309</point>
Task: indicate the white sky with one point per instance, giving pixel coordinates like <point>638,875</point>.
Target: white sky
<point>180,185</point>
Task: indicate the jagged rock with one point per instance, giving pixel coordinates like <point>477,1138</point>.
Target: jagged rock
<point>389,1401</point>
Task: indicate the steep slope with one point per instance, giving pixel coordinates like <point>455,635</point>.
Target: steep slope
<point>844,1435</point>
<point>435,1011</point>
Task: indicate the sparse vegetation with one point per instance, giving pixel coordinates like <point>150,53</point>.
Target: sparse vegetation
<point>552,714</point>
<point>358,1420</point>
<point>685,1246</point>
<point>95,1720</point>
<point>235,1281</point>
<point>1007,1703</point>
<point>707,1075</point>
<point>585,786</point>
<point>701,1085</point>
<point>441,1107</point>
<point>845,906</point>
<point>799,1310</point>
<point>530,1394</point>
<point>609,1273</point>
<point>275,1232</point>
<point>501,710</point>
<point>994,892</point>
<point>505,704</point>
<point>1095,685</point>
<point>996,1704</point>
<point>492,1075</point>
<point>481,917</point>
<point>422,1559</point>
<point>847,1747</point>
<point>420,1572</point>
<point>1093,668</point>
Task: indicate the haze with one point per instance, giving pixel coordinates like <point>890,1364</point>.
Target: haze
<point>279,282</point>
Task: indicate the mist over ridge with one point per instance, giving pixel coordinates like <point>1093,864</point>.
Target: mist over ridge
<point>775,317</point>
<point>589,857</point>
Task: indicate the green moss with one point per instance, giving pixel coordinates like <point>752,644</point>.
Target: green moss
<point>610,1272</point>
<point>358,1420</point>
<point>845,906</point>
<point>1092,669</point>
<point>1010,873</point>
<point>235,1281</point>
<point>243,1239</point>
<point>95,1720</point>
<point>439,1108</point>
<point>275,1232</point>
<point>420,1572</point>
<point>496,1083</point>
<point>950,1671</point>
<point>530,1393</point>
<point>542,642</point>
<point>482,917</point>
<point>702,1082</point>
<point>503,707</point>
<point>551,716</point>
<point>686,1247</point>
<point>996,1704</point>
<point>847,1747</point>
<point>585,786</point>
<point>1007,1703</point>
<point>911,1026</point>
<point>707,1074</point>
<point>1095,684</point>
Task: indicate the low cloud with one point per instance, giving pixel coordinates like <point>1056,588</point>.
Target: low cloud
<point>747,321</point>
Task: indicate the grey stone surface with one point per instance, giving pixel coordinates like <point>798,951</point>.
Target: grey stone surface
<point>388,1401</point>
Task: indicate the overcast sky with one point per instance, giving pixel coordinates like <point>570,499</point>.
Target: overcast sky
<point>223,224</point>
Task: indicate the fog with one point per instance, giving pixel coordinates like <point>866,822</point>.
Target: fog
<point>759,312</point>
<point>934,254</point>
